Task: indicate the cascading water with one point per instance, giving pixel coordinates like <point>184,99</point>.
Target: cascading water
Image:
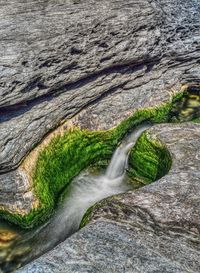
<point>118,163</point>
<point>84,191</point>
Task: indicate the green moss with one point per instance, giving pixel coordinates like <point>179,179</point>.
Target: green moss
<point>149,159</point>
<point>88,215</point>
<point>67,155</point>
<point>155,114</point>
<point>196,120</point>
<point>107,202</point>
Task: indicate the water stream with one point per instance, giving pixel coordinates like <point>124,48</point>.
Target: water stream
<point>84,191</point>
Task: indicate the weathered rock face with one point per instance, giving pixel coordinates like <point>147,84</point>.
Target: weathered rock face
<point>103,58</point>
<point>153,229</point>
<point>97,62</point>
<point>57,57</point>
<point>17,195</point>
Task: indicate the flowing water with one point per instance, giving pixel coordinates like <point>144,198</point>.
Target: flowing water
<point>84,191</point>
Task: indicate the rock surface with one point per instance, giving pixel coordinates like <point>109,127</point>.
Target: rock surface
<point>96,60</point>
<point>57,57</point>
<point>153,229</point>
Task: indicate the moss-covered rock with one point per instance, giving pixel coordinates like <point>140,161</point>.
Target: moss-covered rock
<point>149,159</point>
<point>68,154</point>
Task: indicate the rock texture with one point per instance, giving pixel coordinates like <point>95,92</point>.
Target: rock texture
<point>101,60</point>
<point>97,62</point>
<point>59,56</point>
<point>153,229</point>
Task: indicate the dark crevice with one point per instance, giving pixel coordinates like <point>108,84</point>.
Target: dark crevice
<point>92,102</point>
<point>35,83</point>
<point>11,111</point>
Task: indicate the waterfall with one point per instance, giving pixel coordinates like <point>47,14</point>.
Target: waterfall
<point>85,190</point>
<point>119,160</point>
<point>118,163</point>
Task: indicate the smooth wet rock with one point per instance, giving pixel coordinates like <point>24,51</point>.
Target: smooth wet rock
<point>17,195</point>
<point>153,229</point>
<point>6,238</point>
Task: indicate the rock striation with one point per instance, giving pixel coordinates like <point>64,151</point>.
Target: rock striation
<point>97,61</point>
<point>92,64</point>
<point>152,229</point>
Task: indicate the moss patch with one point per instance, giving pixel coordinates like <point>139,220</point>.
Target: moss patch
<point>149,160</point>
<point>197,120</point>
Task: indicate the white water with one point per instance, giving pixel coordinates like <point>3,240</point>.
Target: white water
<point>84,191</point>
